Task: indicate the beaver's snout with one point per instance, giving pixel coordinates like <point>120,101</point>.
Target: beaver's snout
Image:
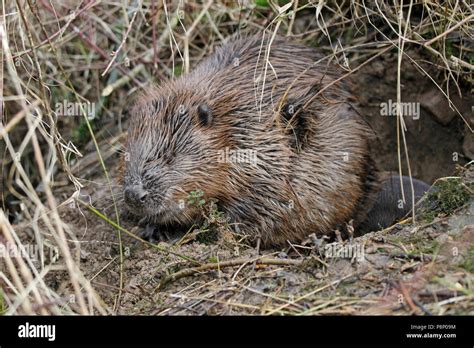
<point>135,196</point>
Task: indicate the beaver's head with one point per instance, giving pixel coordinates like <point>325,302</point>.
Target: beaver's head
<point>173,150</point>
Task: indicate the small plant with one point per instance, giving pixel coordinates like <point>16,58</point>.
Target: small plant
<point>213,219</point>
<point>196,198</point>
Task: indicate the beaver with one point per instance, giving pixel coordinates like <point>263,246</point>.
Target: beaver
<point>266,128</point>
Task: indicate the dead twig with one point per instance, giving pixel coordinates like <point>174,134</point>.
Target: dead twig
<point>213,266</point>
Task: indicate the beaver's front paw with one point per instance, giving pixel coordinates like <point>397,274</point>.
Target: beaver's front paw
<point>127,215</point>
<point>156,234</point>
<point>151,233</point>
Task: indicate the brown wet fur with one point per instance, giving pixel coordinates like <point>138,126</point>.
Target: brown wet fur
<point>314,171</point>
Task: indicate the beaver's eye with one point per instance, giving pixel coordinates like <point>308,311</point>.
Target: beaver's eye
<point>204,114</point>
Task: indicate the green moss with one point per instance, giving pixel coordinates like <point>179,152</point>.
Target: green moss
<point>265,3</point>
<point>262,3</point>
<point>420,244</point>
<point>81,135</point>
<point>444,199</point>
<point>449,48</point>
<point>468,260</point>
<point>213,259</point>
<point>424,246</point>
<point>178,70</point>
<point>429,215</point>
<point>429,247</point>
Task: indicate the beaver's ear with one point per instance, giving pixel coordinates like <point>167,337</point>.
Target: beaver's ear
<point>295,124</point>
<point>204,114</point>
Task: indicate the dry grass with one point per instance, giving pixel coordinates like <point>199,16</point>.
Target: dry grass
<point>101,52</point>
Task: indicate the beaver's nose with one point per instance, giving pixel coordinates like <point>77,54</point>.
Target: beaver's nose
<point>135,195</point>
